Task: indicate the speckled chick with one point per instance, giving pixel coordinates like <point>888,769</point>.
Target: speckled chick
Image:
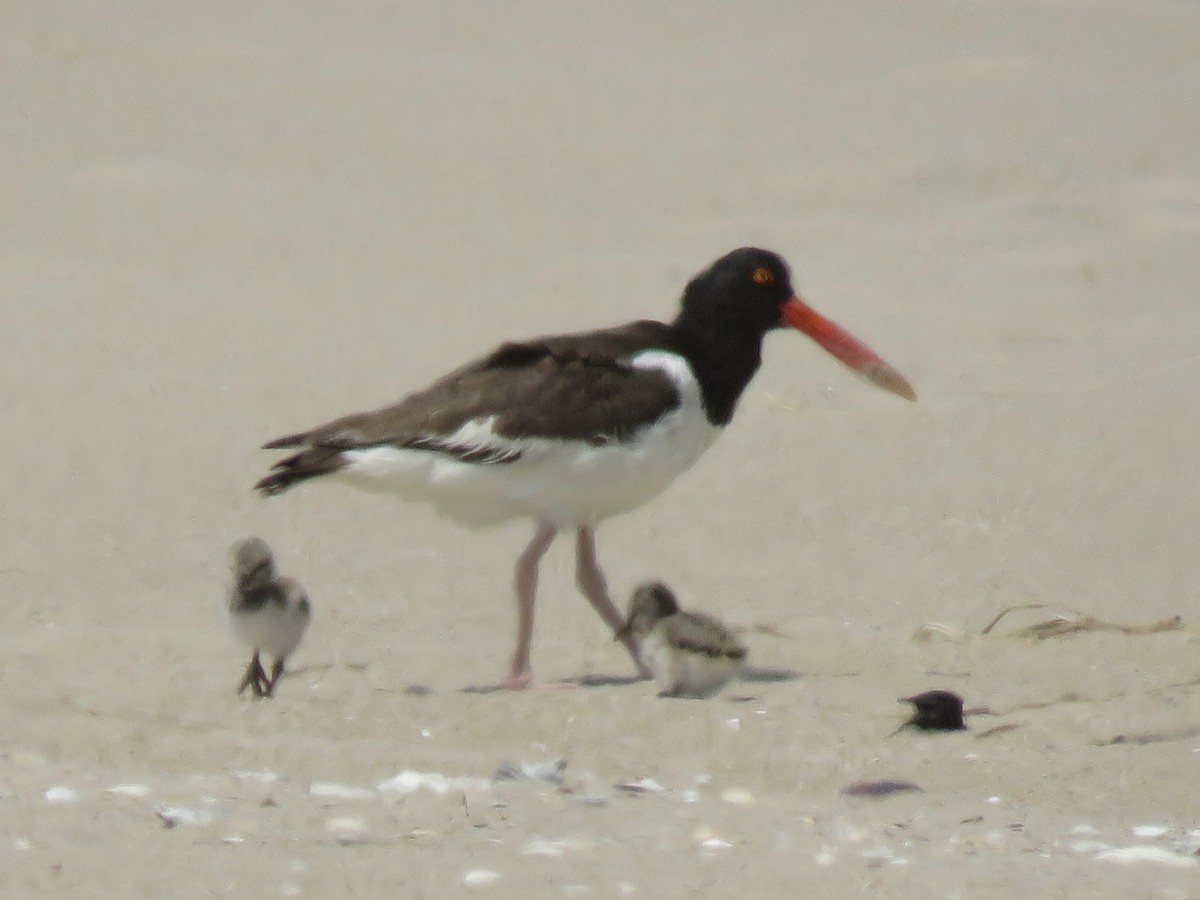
<point>269,612</point>
<point>690,654</point>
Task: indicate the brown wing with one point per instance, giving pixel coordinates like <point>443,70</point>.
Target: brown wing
<point>703,634</point>
<point>577,387</point>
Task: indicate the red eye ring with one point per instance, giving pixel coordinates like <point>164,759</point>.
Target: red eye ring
<point>763,276</point>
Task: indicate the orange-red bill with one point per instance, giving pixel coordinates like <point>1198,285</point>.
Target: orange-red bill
<point>850,350</point>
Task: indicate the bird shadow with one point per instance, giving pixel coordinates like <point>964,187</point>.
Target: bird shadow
<point>595,679</point>
<point>769,675</point>
<point>482,689</point>
<point>591,680</point>
<point>752,674</point>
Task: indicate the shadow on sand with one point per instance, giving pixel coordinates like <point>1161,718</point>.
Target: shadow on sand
<point>752,675</point>
<point>769,675</point>
<point>592,680</point>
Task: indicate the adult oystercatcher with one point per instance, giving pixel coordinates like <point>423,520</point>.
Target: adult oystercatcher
<point>568,430</point>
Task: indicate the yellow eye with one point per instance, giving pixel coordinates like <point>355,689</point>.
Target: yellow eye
<point>763,276</point>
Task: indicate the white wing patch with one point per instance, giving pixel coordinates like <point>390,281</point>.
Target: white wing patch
<point>568,482</point>
<point>480,449</point>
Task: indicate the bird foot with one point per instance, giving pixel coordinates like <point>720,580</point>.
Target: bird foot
<point>256,679</point>
<point>269,683</point>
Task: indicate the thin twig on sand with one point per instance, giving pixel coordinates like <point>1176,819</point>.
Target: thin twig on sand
<point>1070,621</point>
<point>1060,625</point>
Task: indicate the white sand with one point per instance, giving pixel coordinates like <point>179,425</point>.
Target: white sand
<point>224,224</point>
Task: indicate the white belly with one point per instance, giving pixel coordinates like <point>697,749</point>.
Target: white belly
<point>569,483</point>
<point>686,673</point>
<point>273,629</point>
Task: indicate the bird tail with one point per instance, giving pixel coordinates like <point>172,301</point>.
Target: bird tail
<point>310,462</point>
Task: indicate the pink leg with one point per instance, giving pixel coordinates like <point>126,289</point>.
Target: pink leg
<point>592,584</point>
<point>525,578</point>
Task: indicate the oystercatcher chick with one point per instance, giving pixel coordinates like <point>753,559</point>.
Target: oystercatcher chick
<point>269,612</point>
<point>569,430</point>
<point>691,654</point>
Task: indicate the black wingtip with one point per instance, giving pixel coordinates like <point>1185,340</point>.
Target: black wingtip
<point>275,483</point>
<point>283,443</point>
<point>310,462</point>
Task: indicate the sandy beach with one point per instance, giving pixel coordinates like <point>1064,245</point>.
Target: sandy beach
<point>225,222</point>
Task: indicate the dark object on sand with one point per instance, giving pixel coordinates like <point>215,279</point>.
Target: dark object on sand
<point>936,711</point>
<point>878,789</point>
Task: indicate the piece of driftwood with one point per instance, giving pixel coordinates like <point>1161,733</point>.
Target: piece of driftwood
<point>1060,626</point>
<point>1073,622</point>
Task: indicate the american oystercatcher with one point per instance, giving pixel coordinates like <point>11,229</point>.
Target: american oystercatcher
<point>568,430</point>
<point>269,613</point>
<point>691,654</point>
